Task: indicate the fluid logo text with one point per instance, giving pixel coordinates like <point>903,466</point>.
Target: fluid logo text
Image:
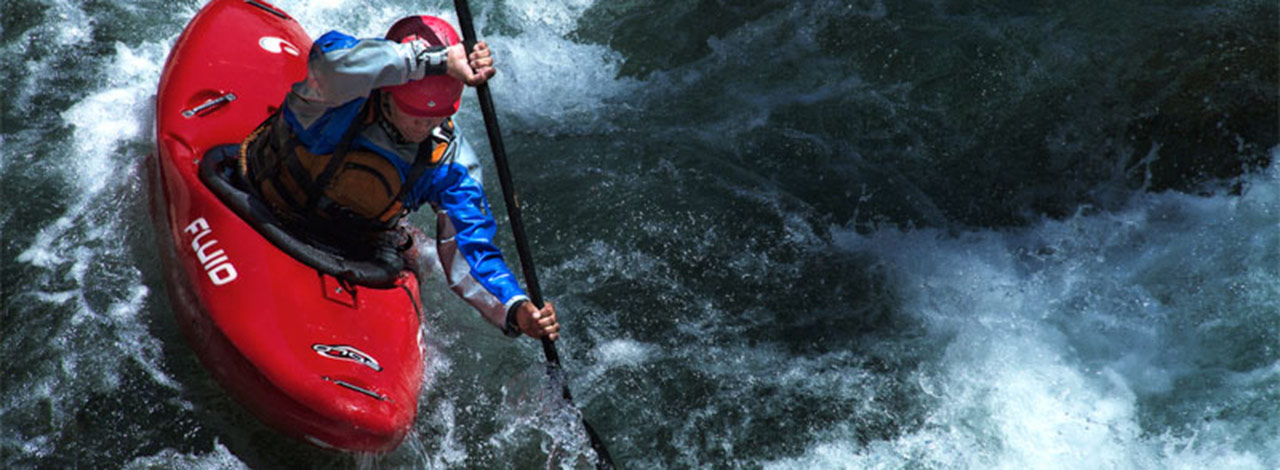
<point>215,261</point>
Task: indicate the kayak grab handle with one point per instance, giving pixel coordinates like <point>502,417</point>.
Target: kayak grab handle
<point>209,104</point>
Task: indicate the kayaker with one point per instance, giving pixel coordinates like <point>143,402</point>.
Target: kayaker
<point>367,138</point>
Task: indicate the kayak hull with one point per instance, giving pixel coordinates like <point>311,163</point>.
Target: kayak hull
<point>313,355</point>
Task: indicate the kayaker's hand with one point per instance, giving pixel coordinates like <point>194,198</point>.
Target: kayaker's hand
<point>474,70</point>
<point>538,323</point>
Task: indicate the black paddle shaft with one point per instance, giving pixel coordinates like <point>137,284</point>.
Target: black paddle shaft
<point>604,461</point>
<point>504,178</point>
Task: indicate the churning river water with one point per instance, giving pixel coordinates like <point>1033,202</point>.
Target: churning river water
<point>945,234</point>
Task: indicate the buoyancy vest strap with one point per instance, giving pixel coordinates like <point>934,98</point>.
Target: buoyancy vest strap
<point>386,184</point>
<point>251,140</point>
<point>420,163</point>
<point>255,144</point>
<point>430,154</point>
<point>315,190</point>
<point>262,175</point>
<point>393,212</point>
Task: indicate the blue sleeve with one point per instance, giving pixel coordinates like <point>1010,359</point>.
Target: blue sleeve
<point>462,197</point>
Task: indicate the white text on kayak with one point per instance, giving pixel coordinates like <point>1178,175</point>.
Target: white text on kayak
<point>216,263</point>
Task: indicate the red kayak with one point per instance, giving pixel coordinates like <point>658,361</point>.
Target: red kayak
<point>317,343</point>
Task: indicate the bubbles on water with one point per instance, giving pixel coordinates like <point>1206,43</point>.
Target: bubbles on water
<point>129,102</point>
<point>548,82</point>
<point>82,291</point>
<point>623,353</point>
<point>535,410</point>
<point>1082,343</point>
<point>1133,334</point>
<point>42,53</point>
<point>219,458</point>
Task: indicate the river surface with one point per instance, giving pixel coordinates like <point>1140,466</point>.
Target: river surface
<point>943,234</point>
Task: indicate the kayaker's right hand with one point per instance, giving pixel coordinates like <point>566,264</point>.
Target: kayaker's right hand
<point>538,323</point>
<point>473,70</point>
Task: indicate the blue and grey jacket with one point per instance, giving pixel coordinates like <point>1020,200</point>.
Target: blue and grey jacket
<point>342,73</point>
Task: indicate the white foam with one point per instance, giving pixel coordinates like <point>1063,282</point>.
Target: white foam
<point>1054,333</point>
<point>623,353</point>
<point>547,82</point>
<point>449,450</point>
<point>115,115</point>
<point>62,37</point>
<point>219,458</point>
<point>81,259</point>
<point>102,122</point>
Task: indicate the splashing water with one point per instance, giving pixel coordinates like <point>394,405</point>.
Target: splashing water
<point>825,234</point>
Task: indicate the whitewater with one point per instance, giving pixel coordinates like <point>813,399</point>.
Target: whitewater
<point>844,259</point>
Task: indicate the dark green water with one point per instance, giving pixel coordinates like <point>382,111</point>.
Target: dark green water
<point>815,234</point>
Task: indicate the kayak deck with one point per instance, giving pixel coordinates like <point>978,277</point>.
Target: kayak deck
<point>307,350</point>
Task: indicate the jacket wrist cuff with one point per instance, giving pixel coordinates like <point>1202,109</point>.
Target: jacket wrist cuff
<point>424,59</point>
<point>511,327</point>
<point>432,60</point>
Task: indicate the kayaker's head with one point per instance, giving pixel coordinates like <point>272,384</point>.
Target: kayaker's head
<point>413,128</point>
<point>419,106</point>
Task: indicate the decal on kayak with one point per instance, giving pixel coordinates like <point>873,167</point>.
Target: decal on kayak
<point>276,45</point>
<point>347,353</point>
<point>216,263</point>
<point>357,388</point>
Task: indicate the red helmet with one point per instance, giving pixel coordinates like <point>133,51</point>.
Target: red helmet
<point>434,95</point>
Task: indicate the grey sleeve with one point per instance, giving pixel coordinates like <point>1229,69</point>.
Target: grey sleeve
<point>340,75</point>
<point>467,156</point>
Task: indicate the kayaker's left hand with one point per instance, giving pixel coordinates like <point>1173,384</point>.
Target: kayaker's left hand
<point>474,70</point>
<point>538,323</point>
